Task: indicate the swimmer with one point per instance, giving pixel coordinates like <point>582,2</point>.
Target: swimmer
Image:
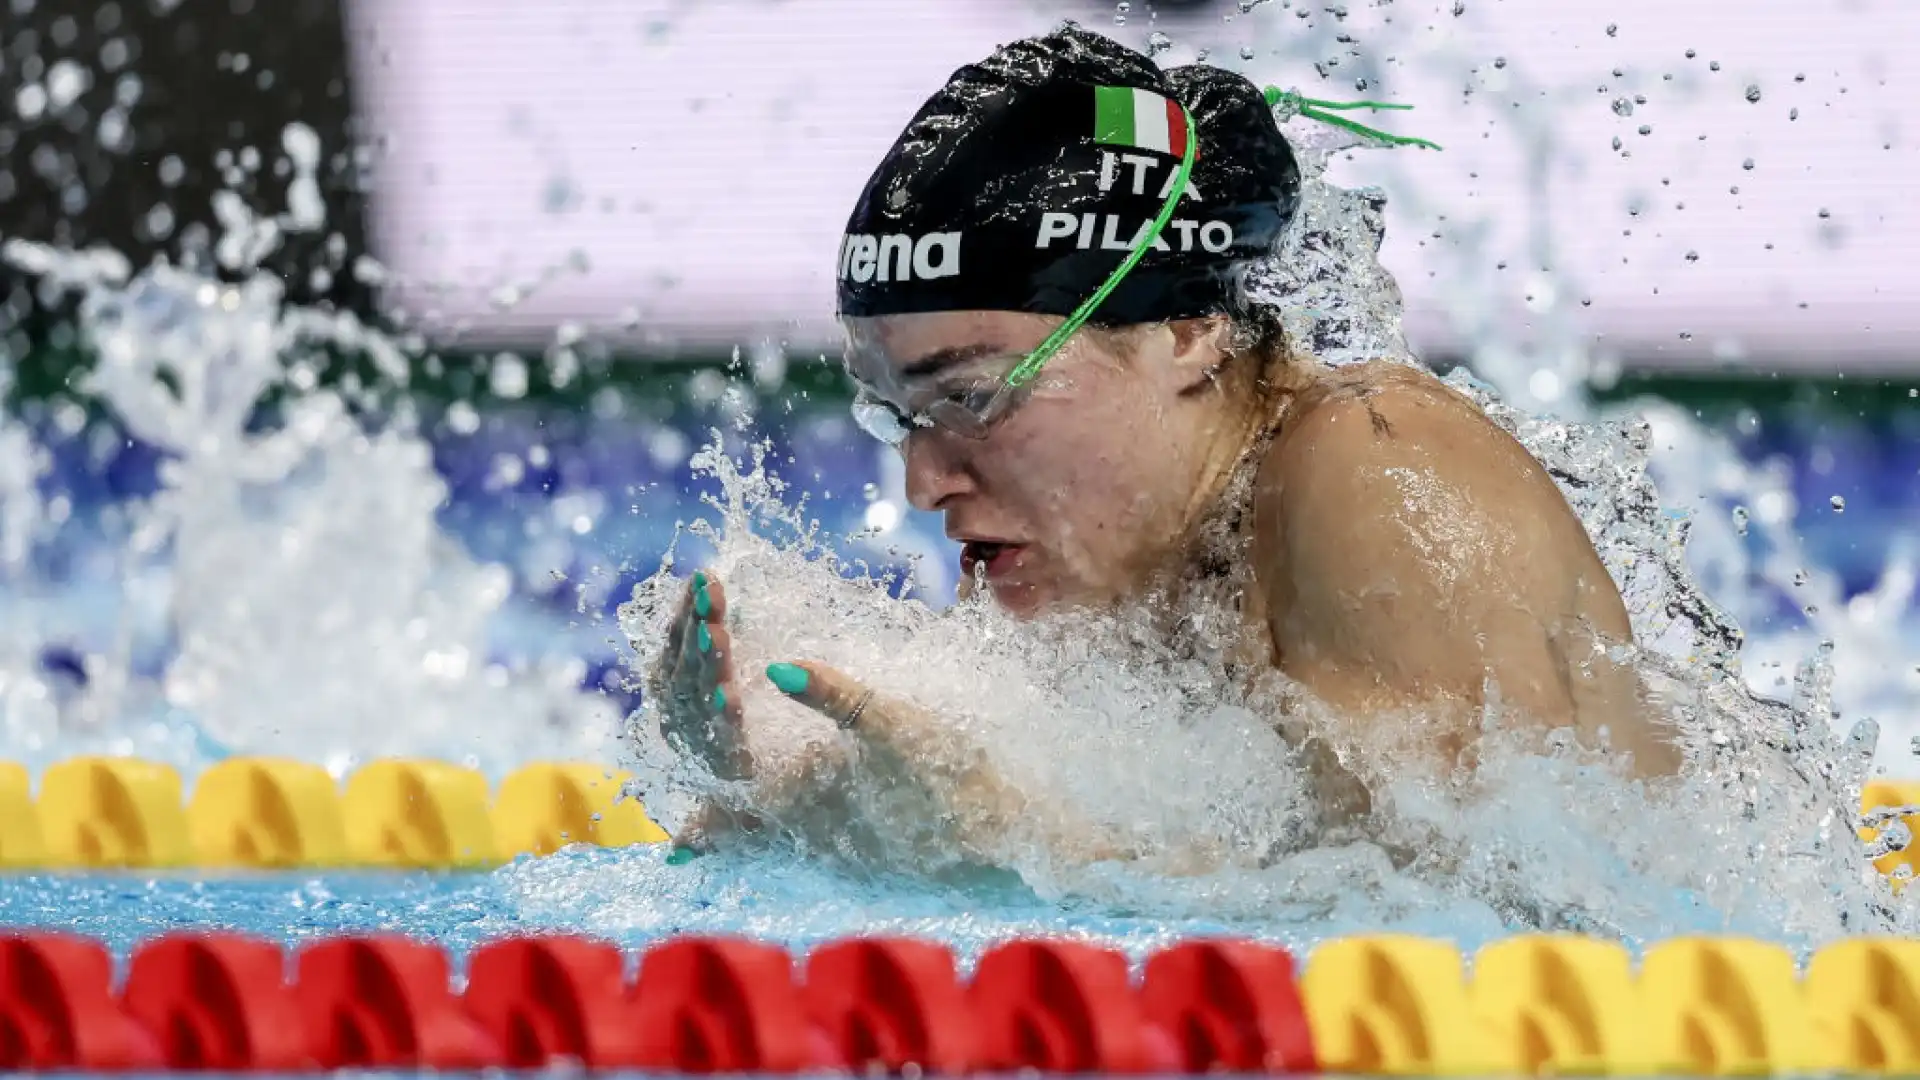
<point>1043,287</point>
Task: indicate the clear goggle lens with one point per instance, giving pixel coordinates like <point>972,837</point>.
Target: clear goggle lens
<point>968,413</point>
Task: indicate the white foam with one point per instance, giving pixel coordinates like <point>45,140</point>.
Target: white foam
<point>318,610</point>
<point>1166,760</point>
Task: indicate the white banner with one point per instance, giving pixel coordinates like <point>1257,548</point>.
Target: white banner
<point>679,173</point>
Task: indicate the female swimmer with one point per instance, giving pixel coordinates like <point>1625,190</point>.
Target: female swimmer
<point>1044,291</point>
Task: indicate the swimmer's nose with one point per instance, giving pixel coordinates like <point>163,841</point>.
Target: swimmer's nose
<point>935,473</point>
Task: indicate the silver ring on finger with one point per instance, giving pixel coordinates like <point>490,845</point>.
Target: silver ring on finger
<point>853,715</point>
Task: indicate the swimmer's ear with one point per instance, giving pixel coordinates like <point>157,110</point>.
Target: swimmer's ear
<point>1199,349</point>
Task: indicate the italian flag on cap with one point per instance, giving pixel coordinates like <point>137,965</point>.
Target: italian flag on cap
<point>1129,116</point>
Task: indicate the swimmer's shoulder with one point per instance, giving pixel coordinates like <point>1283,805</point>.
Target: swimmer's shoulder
<point>1367,445</point>
<point>1378,412</point>
<point>1382,464</point>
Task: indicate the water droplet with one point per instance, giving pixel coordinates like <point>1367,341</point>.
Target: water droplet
<point>1825,213</point>
<point>507,377</point>
<point>1246,52</point>
<point>1691,54</point>
<point>1799,577</point>
<point>1613,29</point>
<point>1361,84</point>
<point>1622,107</point>
<point>1839,504</point>
<point>1753,92</point>
<point>1747,164</point>
<point>1801,77</point>
<point>1500,62</point>
<point>1740,519</point>
<point>870,492</point>
<point>1158,42</point>
<point>1616,142</point>
<point>1693,256</point>
<point>1646,129</point>
<point>1713,65</point>
<point>1686,335</point>
<point>1459,8</point>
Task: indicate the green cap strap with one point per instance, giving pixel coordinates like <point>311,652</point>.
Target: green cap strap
<point>1293,103</point>
<point>1290,102</point>
<point>1038,358</point>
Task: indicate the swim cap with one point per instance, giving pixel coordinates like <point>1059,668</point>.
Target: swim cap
<point>1029,177</point>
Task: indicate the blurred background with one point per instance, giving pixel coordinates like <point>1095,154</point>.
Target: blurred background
<point>593,233</point>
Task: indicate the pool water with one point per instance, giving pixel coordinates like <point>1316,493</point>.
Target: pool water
<point>577,504</point>
<point>273,567</point>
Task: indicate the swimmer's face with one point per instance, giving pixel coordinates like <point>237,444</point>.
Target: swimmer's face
<point>1084,479</point>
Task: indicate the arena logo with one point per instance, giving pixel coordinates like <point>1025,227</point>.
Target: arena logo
<point>1181,234</point>
<point>898,257</point>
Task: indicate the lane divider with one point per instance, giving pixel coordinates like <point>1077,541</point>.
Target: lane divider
<point>274,813</point>
<point>1386,1005</point>
<point>269,813</point>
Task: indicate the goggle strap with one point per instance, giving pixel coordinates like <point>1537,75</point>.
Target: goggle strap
<point>1038,358</point>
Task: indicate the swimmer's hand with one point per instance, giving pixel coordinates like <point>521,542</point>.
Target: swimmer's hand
<point>695,684</point>
<point>895,735</point>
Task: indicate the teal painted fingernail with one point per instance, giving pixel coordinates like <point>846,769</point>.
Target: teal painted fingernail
<point>702,603</point>
<point>700,579</point>
<point>790,678</point>
<point>681,856</point>
<point>719,700</point>
<point>704,638</point>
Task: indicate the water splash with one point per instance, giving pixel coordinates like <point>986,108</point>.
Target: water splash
<point>1176,768</point>
<point>28,706</point>
<point>317,610</point>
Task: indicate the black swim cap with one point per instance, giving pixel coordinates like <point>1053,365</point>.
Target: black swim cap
<point>1026,180</point>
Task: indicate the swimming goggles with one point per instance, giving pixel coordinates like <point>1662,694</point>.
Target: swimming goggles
<point>971,412</point>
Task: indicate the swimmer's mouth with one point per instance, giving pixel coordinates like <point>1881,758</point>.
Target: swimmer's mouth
<point>997,556</point>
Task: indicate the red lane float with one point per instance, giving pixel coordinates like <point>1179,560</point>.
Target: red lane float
<point>1062,1006</point>
<point>57,1009</point>
<point>890,1003</point>
<point>550,999</point>
<point>217,1002</point>
<point>386,1002</point>
<point>224,1002</point>
<point>709,1005</point>
<point>1229,1006</point>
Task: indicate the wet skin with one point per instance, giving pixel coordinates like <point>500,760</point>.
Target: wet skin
<point>1407,553</point>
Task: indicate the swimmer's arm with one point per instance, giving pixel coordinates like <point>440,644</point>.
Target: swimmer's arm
<point>989,814</point>
<point>1411,551</point>
<point>806,798</point>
